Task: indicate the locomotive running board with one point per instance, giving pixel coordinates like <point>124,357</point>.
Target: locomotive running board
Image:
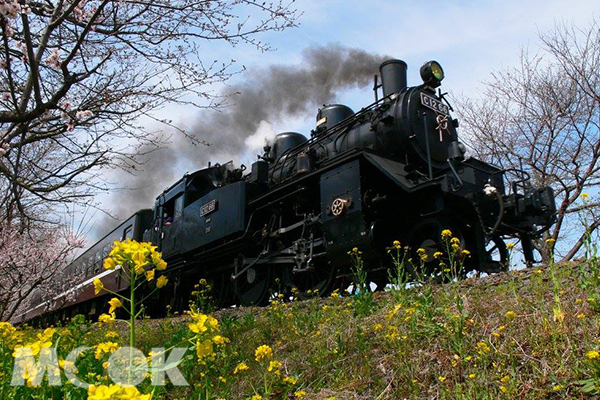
<point>395,171</point>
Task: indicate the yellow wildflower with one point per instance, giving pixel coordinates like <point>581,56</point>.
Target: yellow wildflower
<point>289,380</point>
<point>103,392</point>
<point>219,340</point>
<point>109,263</point>
<point>592,355</point>
<point>510,314</point>
<point>114,304</point>
<point>204,349</point>
<point>274,365</point>
<point>505,379</point>
<point>106,318</point>
<point>240,367</point>
<point>441,378</point>
<point>98,286</point>
<point>300,394</point>
<point>446,234</point>
<point>149,275</point>
<point>105,348</point>
<point>162,281</point>
<point>263,351</point>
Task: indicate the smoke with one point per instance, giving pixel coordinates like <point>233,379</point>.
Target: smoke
<point>264,134</point>
<point>267,96</point>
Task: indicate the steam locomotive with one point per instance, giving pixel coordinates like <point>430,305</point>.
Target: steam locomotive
<point>395,170</point>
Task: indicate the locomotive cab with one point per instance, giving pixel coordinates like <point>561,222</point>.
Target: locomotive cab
<point>181,224</point>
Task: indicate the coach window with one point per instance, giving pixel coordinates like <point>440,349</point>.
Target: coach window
<point>178,208</point>
<point>89,267</point>
<point>98,260</point>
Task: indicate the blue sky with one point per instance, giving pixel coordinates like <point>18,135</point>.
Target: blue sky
<point>469,38</point>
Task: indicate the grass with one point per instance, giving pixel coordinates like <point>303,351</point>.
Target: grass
<point>490,338</point>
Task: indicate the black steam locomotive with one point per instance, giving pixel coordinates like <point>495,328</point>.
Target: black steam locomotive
<point>395,170</point>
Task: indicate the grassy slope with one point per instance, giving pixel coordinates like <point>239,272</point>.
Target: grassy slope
<point>513,335</point>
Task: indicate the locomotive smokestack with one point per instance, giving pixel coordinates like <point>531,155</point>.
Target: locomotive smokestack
<point>393,76</point>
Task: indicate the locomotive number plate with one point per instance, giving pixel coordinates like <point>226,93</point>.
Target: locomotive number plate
<point>434,104</point>
<point>208,208</point>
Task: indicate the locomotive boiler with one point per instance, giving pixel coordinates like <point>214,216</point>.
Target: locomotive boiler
<point>395,170</point>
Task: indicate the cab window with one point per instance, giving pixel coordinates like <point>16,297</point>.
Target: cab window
<point>178,208</point>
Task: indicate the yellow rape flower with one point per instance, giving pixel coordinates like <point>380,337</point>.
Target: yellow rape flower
<point>105,348</point>
<point>114,304</point>
<point>274,365</point>
<point>98,286</point>
<point>107,318</point>
<point>162,281</point>
<point>289,380</point>
<point>109,263</point>
<point>262,352</point>
<point>592,355</point>
<point>240,367</point>
<point>103,392</point>
<point>149,275</point>
<point>204,349</point>
<point>219,340</point>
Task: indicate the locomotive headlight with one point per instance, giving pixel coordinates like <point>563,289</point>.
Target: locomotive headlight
<point>432,74</point>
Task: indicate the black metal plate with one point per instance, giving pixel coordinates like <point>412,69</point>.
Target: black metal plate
<point>434,104</point>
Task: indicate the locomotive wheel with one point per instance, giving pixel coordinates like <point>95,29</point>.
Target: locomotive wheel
<point>321,278</point>
<point>427,234</point>
<point>253,287</point>
<point>221,290</point>
<point>496,255</point>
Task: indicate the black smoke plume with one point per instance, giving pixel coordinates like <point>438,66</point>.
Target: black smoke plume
<point>269,94</point>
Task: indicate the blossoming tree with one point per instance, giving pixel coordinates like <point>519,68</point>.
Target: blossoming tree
<point>77,75</point>
<point>28,262</point>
